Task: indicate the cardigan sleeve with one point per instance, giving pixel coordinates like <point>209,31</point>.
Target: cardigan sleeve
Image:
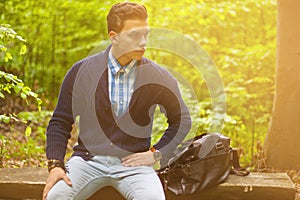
<point>178,117</point>
<point>60,124</point>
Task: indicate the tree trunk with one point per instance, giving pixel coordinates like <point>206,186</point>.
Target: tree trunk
<point>283,139</point>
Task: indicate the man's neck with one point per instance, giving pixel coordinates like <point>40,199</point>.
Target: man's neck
<point>122,59</point>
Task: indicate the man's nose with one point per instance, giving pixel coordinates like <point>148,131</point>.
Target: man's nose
<point>143,42</point>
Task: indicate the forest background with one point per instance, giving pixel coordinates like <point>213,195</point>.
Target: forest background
<point>41,40</point>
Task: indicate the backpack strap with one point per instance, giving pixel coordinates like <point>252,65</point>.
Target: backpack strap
<point>163,173</point>
<point>237,169</point>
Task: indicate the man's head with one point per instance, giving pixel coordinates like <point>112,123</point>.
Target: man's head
<point>128,28</point>
<point>121,12</point>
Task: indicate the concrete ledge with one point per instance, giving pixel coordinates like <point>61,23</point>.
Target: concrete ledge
<point>28,183</point>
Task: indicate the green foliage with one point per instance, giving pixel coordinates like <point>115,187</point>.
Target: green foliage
<point>240,37</point>
<point>11,146</point>
<point>24,143</point>
<point>10,83</point>
<point>8,35</point>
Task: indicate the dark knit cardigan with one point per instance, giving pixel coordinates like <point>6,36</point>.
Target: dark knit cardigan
<point>84,93</point>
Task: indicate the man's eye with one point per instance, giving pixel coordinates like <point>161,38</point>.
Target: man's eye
<point>146,35</point>
<point>134,35</point>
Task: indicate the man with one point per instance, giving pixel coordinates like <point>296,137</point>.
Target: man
<point>114,92</point>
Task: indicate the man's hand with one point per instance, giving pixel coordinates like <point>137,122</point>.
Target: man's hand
<point>139,159</point>
<point>55,175</point>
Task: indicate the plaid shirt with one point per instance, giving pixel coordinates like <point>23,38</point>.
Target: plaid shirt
<point>120,84</point>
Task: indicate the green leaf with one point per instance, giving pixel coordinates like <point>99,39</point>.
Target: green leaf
<point>2,95</point>
<point>23,49</point>
<point>3,48</point>
<point>20,38</point>
<point>30,93</point>
<point>28,131</point>
<point>39,102</point>
<point>18,88</point>
<point>7,89</point>
<point>4,118</point>
<point>26,90</point>
<point>8,77</point>
<point>23,95</point>
<point>232,13</point>
<point>7,57</point>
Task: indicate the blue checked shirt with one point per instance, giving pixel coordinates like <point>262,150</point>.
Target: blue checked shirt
<point>121,83</point>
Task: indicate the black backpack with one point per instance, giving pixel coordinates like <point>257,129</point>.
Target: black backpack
<point>200,163</point>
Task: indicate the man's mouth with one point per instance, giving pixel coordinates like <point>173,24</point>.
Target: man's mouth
<point>140,50</point>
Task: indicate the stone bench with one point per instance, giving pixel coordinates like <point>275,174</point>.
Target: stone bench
<point>28,183</point>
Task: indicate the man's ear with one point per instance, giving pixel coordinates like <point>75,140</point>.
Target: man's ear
<point>114,37</point>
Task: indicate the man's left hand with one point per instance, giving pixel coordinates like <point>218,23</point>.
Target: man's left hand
<point>139,159</point>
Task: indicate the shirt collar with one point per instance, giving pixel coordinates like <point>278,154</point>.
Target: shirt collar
<point>115,66</point>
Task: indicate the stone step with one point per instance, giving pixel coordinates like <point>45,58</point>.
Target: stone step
<point>28,183</point>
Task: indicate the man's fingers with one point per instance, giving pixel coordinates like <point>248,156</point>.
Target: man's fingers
<point>67,180</point>
<point>129,157</point>
<point>129,163</point>
<point>55,175</point>
<point>46,190</point>
<point>44,195</point>
<point>138,159</point>
<point>49,185</point>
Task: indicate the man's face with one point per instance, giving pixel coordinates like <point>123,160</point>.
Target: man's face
<point>131,42</point>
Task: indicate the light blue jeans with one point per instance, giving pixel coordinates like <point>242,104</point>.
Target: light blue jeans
<point>87,177</point>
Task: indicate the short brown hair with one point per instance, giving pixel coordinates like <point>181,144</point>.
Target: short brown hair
<point>124,11</point>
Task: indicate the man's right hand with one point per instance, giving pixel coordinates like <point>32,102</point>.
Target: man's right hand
<point>55,175</point>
